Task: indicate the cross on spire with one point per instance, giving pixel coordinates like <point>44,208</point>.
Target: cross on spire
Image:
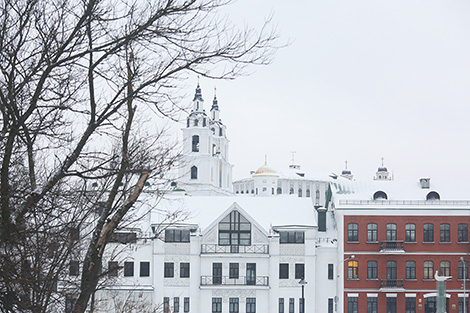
<point>346,164</point>
<point>293,156</point>
<point>382,161</point>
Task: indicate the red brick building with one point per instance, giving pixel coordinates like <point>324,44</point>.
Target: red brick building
<point>392,240</point>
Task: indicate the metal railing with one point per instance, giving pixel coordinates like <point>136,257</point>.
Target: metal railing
<point>391,245</point>
<point>391,283</point>
<point>241,280</point>
<point>257,249</point>
<point>405,202</point>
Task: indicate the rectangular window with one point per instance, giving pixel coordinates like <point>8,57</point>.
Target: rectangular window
<point>169,270</point>
<point>353,270</point>
<point>166,305</point>
<point>284,271</point>
<point>371,269</point>
<point>113,268</point>
<point>216,305</point>
<point>410,233</point>
<point>233,305</point>
<point>301,305</point>
<point>463,270</point>
<point>444,269</point>
<point>250,305</point>
<point>372,232</point>
<point>177,235</point>
<point>391,305</point>
<point>217,273</point>
<point>463,302</point>
<point>410,305</point>
<point>299,271</point>
<point>292,237</point>
<point>73,268</point>
<point>353,232</point>
<point>330,305</point>
<point>144,269</point>
<point>445,232</point>
<point>372,305</point>
<point>352,305</point>
<point>463,233</point>
<point>186,304</point>
<point>70,300</point>
<point>291,305</point>
<point>281,305</point>
<point>428,232</point>
<point>123,237</point>
<point>233,271</point>
<point>330,271</point>
<point>128,269</point>
<point>176,304</point>
<point>184,270</point>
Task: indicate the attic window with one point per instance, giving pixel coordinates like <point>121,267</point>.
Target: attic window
<point>380,195</point>
<point>234,230</point>
<point>433,196</point>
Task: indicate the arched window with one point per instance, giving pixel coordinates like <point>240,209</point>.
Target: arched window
<point>195,144</point>
<point>428,232</point>
<point>445,232</point>
<point>391,270</point>
<point>353,270</point>
<point>300,192</point>
<point>444,269</point>
<point>391,232</point>
<point>307,193</point>
<point>279,190</point>
<point>193,172</point>
<point>291,191</point>
<point>433,196</point>
<point>204,122</point>
<point>428,270</point>
<point>372,270</point>
<point>371,232</point>
<point>380,195</point>
<point>410,267</point>
<point>317,194</point>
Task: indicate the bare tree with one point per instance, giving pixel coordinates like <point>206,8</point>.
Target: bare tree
<point>77,79</point>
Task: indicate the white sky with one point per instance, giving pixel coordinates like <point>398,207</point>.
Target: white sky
<point>362,80</point>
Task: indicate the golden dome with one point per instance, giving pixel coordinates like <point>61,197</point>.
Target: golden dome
<point>265,170</point>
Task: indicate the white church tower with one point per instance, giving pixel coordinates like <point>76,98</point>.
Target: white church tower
<point>206,167</point>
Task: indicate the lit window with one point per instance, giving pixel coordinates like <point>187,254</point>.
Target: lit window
<point>353,270</point>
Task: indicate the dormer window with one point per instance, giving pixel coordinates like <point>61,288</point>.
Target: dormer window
<point>234,230</point>
<point>432,196</point>
<point>380,195</point>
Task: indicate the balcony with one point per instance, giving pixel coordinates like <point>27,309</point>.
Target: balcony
<point>391,246</point>
<point>391,283</point>
<point>240,281</point>
<point>256,249</point>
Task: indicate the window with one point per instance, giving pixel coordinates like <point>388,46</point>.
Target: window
<point>169,270</point>
<point>233,272</point>
<point>284,271</point>
<point>166,305</point>
<point>372,232</point>
<point>300,192</point>
<point>410,305</point>
<point>352,232</point>
<point>463,302</point>
<point>73,268</point>
<point>70,300</point>
<point>113,268</point>
<point>330,305</point>
<point>291,305</point>
<point>234,230</point>
<point>217,273</point>
<point>410,269</point>
<point>444,269</point>
<point>279,190</point>
<point>196,122</point>
<point>330,271</point>
<point>391,270</point>
<point>428,232</point>
<point>353,270</point>
<point>144,269</point>
<point>128,269</point>
<point>195,143</point>
<point>291,191</point>
<point>463,233</point>
<point>193,172</point>
<point>250,305</point>
<point>307,193</point>
<point>352,305</point>
<point>428,270</point>
<point>445,232</point>
<point>184,270</point>
<point>463,269</point>
<point>371,304</point>
<point>371,269</point>
<point>292,237</point>
<point>123,237</point>
<point>299,271</point>
<point>281,305</point>
<point>176,304</point>
<point>410,233</point>
<point>233,305</point>
<point>301,305</point>
<point>392,232</point>
<point>216,305</point>
<point>391,305</point>
<point>176,235</point>
<point>186,304</point>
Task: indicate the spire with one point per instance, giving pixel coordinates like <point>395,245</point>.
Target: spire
<point>215,103</point>
<point>346,173</point>
<point>198,94</point>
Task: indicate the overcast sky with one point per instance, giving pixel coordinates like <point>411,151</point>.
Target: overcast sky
<point>361,80</point>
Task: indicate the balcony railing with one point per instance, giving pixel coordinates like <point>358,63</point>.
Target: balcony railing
<point>406,202</point>
<point>240,281</point>
<point>391,246</point>
<point>257,249</point>
<point>391,283</point>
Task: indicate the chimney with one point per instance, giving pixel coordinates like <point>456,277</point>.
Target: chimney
<point>425,183</point>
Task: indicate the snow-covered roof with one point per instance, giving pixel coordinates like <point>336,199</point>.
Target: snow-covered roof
<point>283,210</point>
